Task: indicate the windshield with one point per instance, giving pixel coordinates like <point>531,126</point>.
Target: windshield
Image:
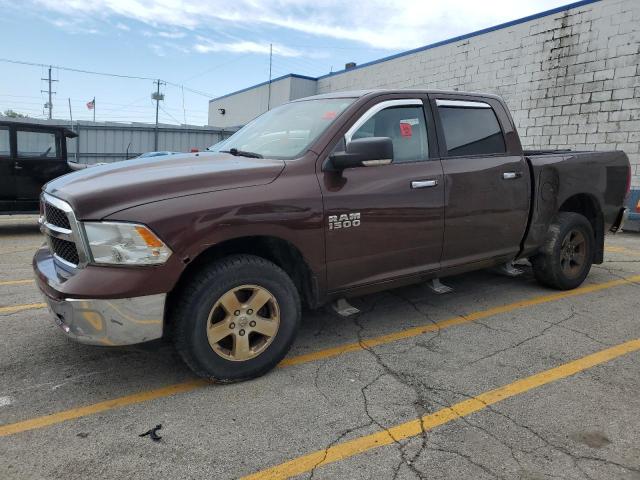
<point>287,130</point>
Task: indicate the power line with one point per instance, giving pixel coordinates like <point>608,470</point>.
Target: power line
<point>104,74</point>
<point>71,69</point>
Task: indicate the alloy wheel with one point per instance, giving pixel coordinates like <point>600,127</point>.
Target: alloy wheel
<point>243,323</point>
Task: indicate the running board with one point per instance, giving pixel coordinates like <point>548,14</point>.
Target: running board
<point>343,308</point>
<point>438,287</point>
<point>508,270</point>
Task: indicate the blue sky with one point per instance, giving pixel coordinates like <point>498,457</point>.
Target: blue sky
<point>213,47</point>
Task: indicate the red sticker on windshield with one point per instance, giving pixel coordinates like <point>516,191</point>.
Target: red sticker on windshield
<point>405,129</point>
<point>328,115</point>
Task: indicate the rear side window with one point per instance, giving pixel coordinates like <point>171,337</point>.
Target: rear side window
<point>470,128</point>
<point>36,144</point>
<point>5,148</point>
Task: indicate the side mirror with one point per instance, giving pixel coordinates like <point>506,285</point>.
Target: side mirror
<point>364,152</point>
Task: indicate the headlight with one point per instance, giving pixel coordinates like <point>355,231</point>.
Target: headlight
<point>116,243</point>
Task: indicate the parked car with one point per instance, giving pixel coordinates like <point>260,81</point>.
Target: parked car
<point>30,156</point>
<point>633,222</point>
<point>156,154</point>
<point>372,190</point>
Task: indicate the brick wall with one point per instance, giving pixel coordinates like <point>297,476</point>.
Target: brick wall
<point>571,79</point>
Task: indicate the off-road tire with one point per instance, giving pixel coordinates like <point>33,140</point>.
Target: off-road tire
<point>190,313</point>
<point>546,263</point>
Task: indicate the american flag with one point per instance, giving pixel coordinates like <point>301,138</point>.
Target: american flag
<point>92,104</point>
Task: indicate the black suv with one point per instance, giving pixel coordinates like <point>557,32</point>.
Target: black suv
<point>30,156</point>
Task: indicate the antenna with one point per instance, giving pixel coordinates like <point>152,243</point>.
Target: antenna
<point>270,63</point>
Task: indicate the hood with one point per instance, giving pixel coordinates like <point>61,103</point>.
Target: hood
<point>102,190</point>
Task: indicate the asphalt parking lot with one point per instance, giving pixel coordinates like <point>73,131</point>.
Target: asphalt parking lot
<point>500,379</point>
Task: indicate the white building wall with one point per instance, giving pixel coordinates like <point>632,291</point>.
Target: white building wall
<point>571,79</point>
<point>244,106</point>
<point>248,104</point>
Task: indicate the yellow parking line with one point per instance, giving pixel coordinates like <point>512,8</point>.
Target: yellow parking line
<point>46,420</point>
<point>621,250</point>
<point>413,428</point>
<point>20,308</point>
<point>78,412</point>
<point>16,282</point>
<point>430,327</point>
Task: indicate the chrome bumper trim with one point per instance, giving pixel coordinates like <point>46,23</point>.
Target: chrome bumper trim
<point>111,322</point>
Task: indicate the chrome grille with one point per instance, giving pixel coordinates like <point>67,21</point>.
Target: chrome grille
<point>66,250</point>
<point>62,231</point>
<point>56,216</point>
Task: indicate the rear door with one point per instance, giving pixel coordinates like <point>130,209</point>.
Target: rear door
<point>6,166</point>
<point>384,222</point>
<point>487,185</point>
<point>39,158</point>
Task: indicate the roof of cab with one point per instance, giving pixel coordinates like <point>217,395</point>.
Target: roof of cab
<point>38,126</point>
<point>375,92</point>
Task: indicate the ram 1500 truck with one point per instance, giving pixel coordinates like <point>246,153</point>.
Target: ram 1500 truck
<point>319,199</point>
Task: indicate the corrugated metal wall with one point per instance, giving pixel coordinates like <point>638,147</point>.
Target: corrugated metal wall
<point>112,142</point>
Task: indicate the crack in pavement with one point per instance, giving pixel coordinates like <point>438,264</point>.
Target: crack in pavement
<point>427,396</point>
<point>525,340</point>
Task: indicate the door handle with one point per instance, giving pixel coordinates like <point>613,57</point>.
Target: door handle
<point>511,175</point>
<point>424,183</point>
<point>17,166</point>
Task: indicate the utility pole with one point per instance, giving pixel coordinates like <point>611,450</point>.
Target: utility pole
<point>49,104</point>
<point>270,62</point>
<point>157,96</point>
<point>70,114</point>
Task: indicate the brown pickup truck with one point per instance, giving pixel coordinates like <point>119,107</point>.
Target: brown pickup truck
<point>317,200</point>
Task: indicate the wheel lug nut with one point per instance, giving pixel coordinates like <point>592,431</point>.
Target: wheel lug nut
<point>249,312</point>
<point>232,325</point>
<point>252,324</point>
<point>236,313</point>
<point>241,332</point>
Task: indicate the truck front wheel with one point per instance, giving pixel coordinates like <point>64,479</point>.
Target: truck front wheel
<point>236,319</point>
<point>565,259</point>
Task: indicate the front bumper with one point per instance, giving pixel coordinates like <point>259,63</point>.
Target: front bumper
<point>122,321</point>
<point>104,321</point>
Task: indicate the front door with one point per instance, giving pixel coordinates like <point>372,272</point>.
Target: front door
<point>487,184</point>
<point>385,221</point>
<point>39,158</point>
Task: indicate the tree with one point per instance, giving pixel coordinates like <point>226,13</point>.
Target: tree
<point>13,114</point>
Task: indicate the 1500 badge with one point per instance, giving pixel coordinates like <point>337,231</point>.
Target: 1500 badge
<point>345,220</point>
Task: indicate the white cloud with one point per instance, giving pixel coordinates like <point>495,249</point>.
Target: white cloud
<point>158,50</point>
<point>205,45</point>
<point>172,34</point>
<point>383,24</point>
<point>74,26</point>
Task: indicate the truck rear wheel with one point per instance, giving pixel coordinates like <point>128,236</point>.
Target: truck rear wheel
<point>565,258</point>
<point>237,319</point>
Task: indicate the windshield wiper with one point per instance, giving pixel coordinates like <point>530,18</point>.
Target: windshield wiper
<point>241,153</point>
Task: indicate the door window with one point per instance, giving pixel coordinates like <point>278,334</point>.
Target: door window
<point>405,125</point>
<point>5,148</point>
<point>470,128</point>
<point>36,144</point>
